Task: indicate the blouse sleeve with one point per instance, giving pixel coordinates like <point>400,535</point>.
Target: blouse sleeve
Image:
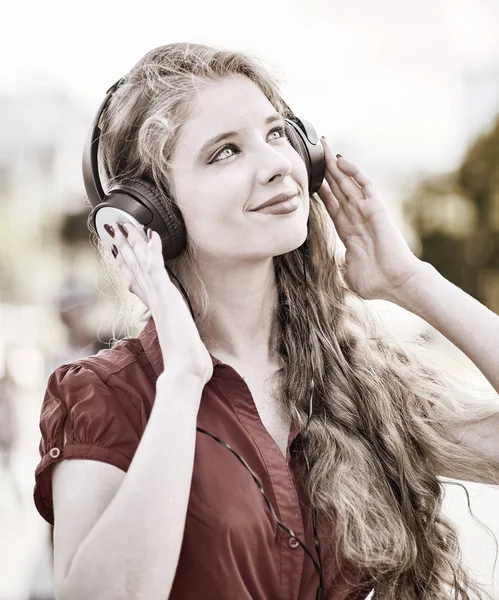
<point>82,417</point>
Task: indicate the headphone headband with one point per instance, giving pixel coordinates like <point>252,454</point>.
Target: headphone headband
<point>90,166</point>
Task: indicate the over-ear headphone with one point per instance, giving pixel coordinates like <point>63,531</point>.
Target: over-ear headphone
<point>142,204</point>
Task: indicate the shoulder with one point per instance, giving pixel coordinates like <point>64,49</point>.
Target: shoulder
<point>121,375</point>
<point>94,408</point>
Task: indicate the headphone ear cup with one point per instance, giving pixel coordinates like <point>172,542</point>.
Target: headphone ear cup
<point>297,144</point>
<point>304,139</point>
<point>167,219</point>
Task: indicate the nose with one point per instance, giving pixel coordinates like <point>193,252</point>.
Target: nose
<point>272,163</point>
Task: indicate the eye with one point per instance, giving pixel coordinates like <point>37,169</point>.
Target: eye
<point>220,153</point>
<point>279,129</point>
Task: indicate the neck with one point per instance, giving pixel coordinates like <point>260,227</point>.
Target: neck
<point>243,303</point>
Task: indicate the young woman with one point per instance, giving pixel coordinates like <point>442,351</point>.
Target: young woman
<point>150,507</point>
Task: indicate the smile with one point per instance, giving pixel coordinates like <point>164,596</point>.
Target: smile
<point>281,208</point>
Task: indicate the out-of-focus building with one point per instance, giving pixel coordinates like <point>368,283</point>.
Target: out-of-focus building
<point>42,136</point>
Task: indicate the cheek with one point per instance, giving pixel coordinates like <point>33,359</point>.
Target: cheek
<point>208,215</point>
<point>216,199</point>
<point>300,173</point>
<point>298,167</point>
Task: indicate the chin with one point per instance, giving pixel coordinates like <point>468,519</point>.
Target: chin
<point>292,243</point>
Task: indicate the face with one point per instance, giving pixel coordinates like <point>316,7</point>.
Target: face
<point>217,183</point>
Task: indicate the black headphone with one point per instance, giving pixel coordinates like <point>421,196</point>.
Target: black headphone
<point>142,204</point>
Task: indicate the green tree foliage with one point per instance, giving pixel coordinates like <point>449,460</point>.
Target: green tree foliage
<point>456,216</point>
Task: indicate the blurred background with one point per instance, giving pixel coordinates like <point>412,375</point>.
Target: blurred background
<point>407,90</point>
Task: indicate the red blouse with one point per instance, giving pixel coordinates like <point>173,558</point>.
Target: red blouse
<point>232,546</point>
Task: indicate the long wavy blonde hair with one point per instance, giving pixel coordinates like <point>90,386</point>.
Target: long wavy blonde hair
<point>379,436</point>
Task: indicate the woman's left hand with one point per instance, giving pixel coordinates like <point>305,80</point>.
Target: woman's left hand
<point>378,261</point>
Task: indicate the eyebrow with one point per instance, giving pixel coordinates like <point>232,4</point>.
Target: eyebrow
<point>230,134</point>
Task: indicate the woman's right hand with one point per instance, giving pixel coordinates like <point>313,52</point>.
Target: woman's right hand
<point>142,266</point>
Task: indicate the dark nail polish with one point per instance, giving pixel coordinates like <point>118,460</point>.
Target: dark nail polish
<point>109,229</point>
<point>149,233</point>
<point>114,250</point>
<point>123,230</point>
<point>339,156</point>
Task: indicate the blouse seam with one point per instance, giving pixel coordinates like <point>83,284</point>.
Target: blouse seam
<point>133,359</point>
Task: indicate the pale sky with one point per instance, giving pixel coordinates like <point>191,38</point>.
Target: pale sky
<point>383,79</point>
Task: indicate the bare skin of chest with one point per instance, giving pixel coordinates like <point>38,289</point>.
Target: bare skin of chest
<point>264,395</point>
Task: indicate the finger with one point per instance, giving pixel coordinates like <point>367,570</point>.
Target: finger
<point>329,199</point>
<point>132,257</point>
<point>125,271</point>
<point>336,190</point>
<point>137,240</point>
<point>341,184</point>
<point>155,260</point>
<point>158,276</point>
<point>330,168</point>
<point>131,246</point>
<point>148,252</point>
<point>353,171</point>
<point>134,234</point>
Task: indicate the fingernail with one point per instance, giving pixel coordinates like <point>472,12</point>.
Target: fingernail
<point>149,233</point>
<point>339,156</point>
<point>109,229</point>
<point>123,230</point>
<point>114,250</point>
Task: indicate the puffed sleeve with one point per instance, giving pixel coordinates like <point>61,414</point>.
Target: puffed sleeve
<point>82,417</point>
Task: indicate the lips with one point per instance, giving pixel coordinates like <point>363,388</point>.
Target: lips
<point>276,199</point>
